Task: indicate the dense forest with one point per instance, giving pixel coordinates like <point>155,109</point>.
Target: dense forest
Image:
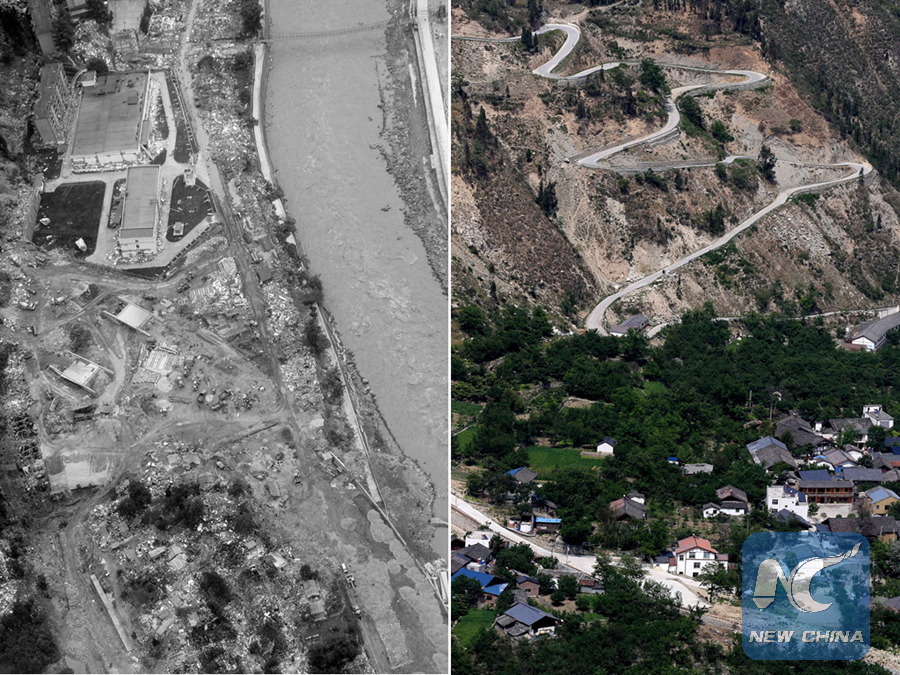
<point>688,398</point>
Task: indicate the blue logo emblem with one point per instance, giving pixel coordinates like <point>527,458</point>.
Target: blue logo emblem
<point>805,596</point>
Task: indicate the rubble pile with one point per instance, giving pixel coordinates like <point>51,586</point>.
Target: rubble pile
<point>222,293</point>
<point>301,378</point>
<point>282,315</point>
<point>17,88</point>
<point>204,250</point>
<point>91,42</point>
<point>216,20</point>
<point>231,146</point>
<point>272,601</point>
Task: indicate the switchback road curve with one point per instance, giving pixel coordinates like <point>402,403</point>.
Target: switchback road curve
<point>593,159</point>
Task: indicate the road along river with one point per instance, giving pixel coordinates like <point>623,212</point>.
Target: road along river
<point>324,118</point>
<point>594,159</point>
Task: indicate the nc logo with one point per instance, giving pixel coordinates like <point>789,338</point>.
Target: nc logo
<point>797,585</point>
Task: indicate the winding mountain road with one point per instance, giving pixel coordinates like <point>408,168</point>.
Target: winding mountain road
<point>752,79</point>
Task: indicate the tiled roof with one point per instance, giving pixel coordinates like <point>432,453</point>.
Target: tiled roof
<point>693,542</point>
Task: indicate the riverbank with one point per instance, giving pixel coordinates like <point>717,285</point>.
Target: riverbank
<point>354,219</point>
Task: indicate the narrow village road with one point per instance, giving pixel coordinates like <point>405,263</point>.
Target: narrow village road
<point>583,563</point>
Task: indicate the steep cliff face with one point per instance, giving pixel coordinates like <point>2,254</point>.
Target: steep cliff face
<point>614,225</point>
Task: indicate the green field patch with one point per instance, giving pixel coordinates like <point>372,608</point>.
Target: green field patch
<point>654,387</point>
<point>468,627</point>
<point>546,460</point>
<point>464,408</point>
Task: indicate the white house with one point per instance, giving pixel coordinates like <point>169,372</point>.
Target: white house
<point>693,555</point>
<point>878,416</point>
<point>872,334</point>
<point>606,446</point>
<point>728,507</point>
<point>711,510</point>
<point>784,497</point>
<point>482,537</point>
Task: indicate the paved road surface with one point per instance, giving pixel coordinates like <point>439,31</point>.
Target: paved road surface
<point>595,318</point>
<point>582,563</point>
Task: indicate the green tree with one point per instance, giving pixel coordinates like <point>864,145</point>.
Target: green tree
<point>549,562</point>
<point>546,198</point>
<point>64,31</point>
<point>464,595</point>
<point>576,532</point>
<point>505,600</point>
<point>517,557</point>
<point>653,77</point>
<point>720,132</point>
<point>100,66</point>
<point>475,484</point>
<point>568,585</point>
<point>557,597</point>
<point>875,437</point>
<point>690,108</point>
<point>251,17</point>
<point>766,163</point>
<point>545,583</point>
<point>528,40</point>
<point>98,10</point>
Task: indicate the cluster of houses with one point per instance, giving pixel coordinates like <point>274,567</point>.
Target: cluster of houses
<point>836,486</point>
<point>522,620</point>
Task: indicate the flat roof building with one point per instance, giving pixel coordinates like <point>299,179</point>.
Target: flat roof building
<point>51,112</point>
<point>140,209</point>
<point>109,120</point>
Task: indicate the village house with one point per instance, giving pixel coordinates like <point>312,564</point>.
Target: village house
<point>878,416</point>
<point>879,499</point>
<point>528,584</point>
<point>476,553</point>
<point>833,491</point>
<point>628,508</point>
<point>590,586</point>
<point>732,502</point>
<point>787,498</point>
<point>544,524</point>
<point>871,335</point>
<point>859,424</point>
<point>606,447</point>
<point>799,432</point>
<point>523,475</point>
<point>693,556</point>
<point>491,586</point>
<point>727,507</point>
<point>769,451</point>
<point>881,528</point>
<point>525,621</point>
<point>635,322</point>
<point>860,474</point>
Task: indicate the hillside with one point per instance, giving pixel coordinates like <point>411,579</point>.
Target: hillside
<point>606,227</point>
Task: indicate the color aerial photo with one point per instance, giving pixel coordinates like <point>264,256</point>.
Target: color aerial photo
<point>223,336</point>
<point>675,323</point>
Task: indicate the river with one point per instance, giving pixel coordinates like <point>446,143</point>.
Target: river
<point>324,121</point>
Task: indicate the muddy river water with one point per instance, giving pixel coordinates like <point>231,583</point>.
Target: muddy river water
<point>324,120</point>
